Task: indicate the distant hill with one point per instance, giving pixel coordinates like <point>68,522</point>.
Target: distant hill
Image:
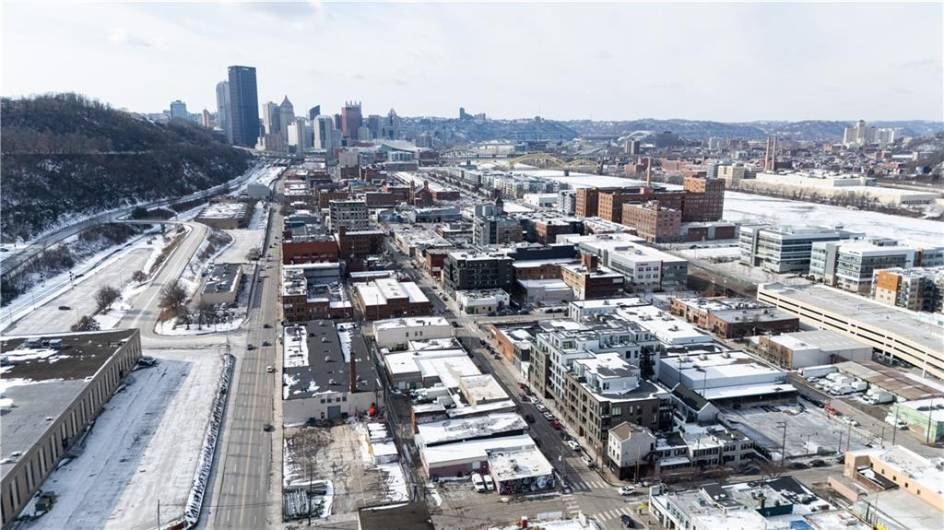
<point>819,130</point>
<point>65,155</point>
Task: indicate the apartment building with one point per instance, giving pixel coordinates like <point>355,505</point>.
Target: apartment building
<point>350,214</point>
<point>590,281</point>
<point>471,271</point>
<point>917,289</point>
<point>849,265</point>
<point>784,249</point>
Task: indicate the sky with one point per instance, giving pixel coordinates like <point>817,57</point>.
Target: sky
<point>724,62</point>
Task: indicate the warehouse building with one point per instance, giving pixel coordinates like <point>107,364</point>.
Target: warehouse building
<point>55,387</point>
<point>793,351</point>
<point>222,284</point>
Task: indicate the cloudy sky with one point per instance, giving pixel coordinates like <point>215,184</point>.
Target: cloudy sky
<point>726,62</point>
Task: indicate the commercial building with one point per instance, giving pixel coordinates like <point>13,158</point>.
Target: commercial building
<point>474,271</point>
<point>917,289</point>
<point>482,302</point>
<point>783,249</point>
<point>351,119</point>
<point>54,387</point>
<point>349,214</point>
<point>897,334</point>
<point>590,281</point>
<point>924,417</point>
<point>383,298</point>
<point>921,477</point>
<point>225,215</point>
<point>243,115</point>
<point>326,373</point>
<point>313,291</point>
<point>309,248</point>
<point>653,222</point>
<point>649,269</point>
<point>221,285</point>
<point>396,334</point>
<point>793,351</point>
<point>734,317</point>
<point>772,503</point>
<point>850,265</point>
<point>544,292</point>
<point>520,471</point>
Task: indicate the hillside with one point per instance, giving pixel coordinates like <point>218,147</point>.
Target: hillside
<point>63,155</point>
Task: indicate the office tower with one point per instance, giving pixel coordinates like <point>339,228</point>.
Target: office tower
<point>324,133</point>
<point>178,110</point>
<point>206,119</point>
<point>351,119</point>
<point>391,126</point>
<point>222,109</point>
<point>858,135</point>
<point>270,118</point>
<point>243,105</point>
<point>374,123</point>
<point>337,122</point>
<point>632,147</point>
<point>300,135</point>
<point>314,112</point>
<point>286,116</point>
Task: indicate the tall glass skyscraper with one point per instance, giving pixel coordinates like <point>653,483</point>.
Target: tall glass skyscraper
<point>222,109</point>
<point>244,105</point>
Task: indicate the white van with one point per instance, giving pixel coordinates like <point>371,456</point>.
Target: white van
<point>489,483</point>
<point>478,483</point>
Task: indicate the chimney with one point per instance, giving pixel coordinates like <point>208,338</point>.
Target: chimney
<point>353,373</point>
<point>589,261</point>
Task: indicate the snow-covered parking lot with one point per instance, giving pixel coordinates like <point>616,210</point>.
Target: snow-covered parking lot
<point>143,448</point>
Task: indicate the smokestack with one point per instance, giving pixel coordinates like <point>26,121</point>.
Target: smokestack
<point>353,373</point>
<point>649,171</point>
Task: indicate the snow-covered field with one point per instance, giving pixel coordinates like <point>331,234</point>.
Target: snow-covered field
<point>747,208</point>
<point>143,448</point>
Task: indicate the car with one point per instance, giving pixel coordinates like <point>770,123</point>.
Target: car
<point>250,347</point>
<point>478,484</point>
<point>524,398</point>
<point>628,522</point>
<point>268,427</point>
<point>489,483</point>
<point>627,490</point>
<point>267,326</point>
<point>573,445</point>
<point>270,369</point>
<point>556,424</point>
<point>589,462</point>
<point>529,418</point>
<point>548,416</point>
<point>266,343</point>
<point>455,324</point>
<point>540,406</point>
<point>64,308</point>
<point>818,463</point>
<point>797,465</point>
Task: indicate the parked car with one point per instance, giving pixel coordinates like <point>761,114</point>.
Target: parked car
<point>478,483</point>
<point>64,308</point>
<point>589,462</point>
<point>267,326</point>
<point>548,416</point>
<point>489,483</point>
<point>270,369</point>
<point>540,406</point>
<point>818,463</point>
<point>573,445</point>
<point>266,343</point>
<point>556,424</point>
<point>250,347</point>
<point>627,490</point>
<point>529,418</point>
<point>268,427</point>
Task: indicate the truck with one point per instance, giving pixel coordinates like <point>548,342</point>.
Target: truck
<point>817,371</point>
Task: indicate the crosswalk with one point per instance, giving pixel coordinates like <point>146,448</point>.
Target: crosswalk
<point>613,514</point>
<point>586,485</point>
<point>571,508</point>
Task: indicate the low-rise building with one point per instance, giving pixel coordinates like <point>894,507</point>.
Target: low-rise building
<point>483,301</point>
<point>396,333</point>
<point>849,265</point>
<point>54,388</point>
<point>924,417</point>
<point>921,477</point>
<point>221,285</point>
<point>471,271</point>
<point>326,373</point>
<point>590,281</point>
<point>350,214</point>
<point>734,317</point>
<point>784,249</point>
<point>225,215</point>
<point>522,470</point>
<point>801,349</point>
<point>383,298</point>
<point>312,291</point>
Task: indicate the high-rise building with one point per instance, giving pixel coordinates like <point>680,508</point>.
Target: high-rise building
<point>351,119</point>
<point>206,119</point>
<point>222,109</point>
<point>374,123</point>
<point>286,116</point>
<point>858,135</point>
<point>270,118</point>
<point>314,112</point>
<point>632,147</point>
<point>178,110</point>
<point>324,130</point>
<point>243,105</point>
<point>300,135</point>
<point>391,126</point>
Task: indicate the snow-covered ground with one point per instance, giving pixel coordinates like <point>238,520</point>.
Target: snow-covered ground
<point>748,208</point>
<point>143,448</point>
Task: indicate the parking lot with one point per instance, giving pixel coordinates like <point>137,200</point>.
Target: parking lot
<point>810,432</point>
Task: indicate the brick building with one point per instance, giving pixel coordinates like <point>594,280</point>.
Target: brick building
<point>652,221</point>
<point>590,281</point>
<point>703,200</point>
<point>310,249</point>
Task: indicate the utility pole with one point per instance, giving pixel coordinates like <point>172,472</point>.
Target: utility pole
<point>158,513</point>
<point>849,436</point>
<point>895,426</point>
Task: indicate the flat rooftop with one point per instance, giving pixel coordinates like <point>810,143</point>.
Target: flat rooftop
<point>908,386</point>
<point>42,376</point>
<point>223,278</point>
<point>515,464</point>
<point>458,430</point>
<point>316,361</point>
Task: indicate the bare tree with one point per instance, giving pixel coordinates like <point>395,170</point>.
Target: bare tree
<point>86,323</point>
<point>173,297</point>
<point>105,297</point>
<point>139,276</point>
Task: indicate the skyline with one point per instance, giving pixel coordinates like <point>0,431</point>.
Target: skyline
<point>760,69</point>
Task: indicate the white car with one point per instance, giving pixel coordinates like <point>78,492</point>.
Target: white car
<point>478,483</point>
<point>627,490</point>
<point>540,406</point>
<point>489,483</point>
<point>573,445</point>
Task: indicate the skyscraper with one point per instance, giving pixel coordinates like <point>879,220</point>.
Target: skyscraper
<point>374,123</point>
<point>243,105</point>
<point>222,109</point>
<point>351,119</point>
<point>206,119</point>
<point>178,110</point>
<point>324,132</point>
<point>314,112</point>
<point>270,118</point>
<point>286,116</point>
